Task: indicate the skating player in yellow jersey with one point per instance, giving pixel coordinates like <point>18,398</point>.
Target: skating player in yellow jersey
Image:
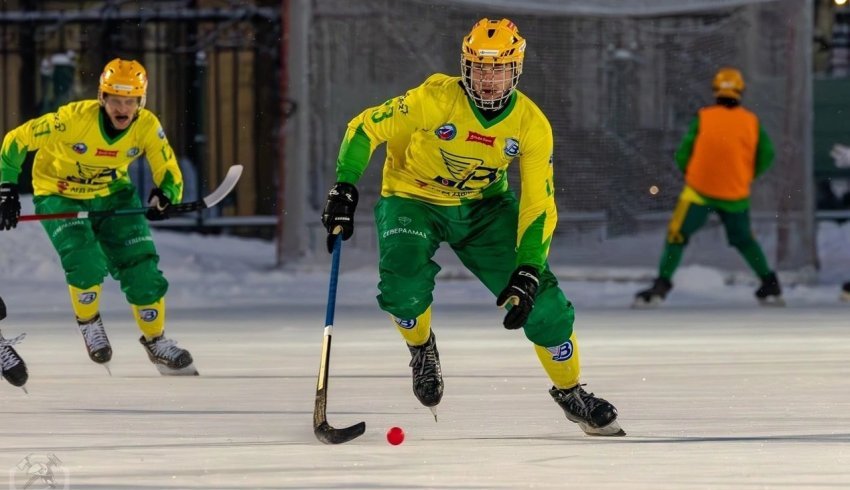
<point>84,150</point>
<point>449,144</point>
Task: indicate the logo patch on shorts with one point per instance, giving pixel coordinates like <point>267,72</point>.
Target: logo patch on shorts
<point>148,314</point>
<point>561,352</point>
<point>87,297</point>
<point>406,324</point>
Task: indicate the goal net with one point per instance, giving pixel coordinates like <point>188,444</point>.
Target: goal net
<point>619,81</point>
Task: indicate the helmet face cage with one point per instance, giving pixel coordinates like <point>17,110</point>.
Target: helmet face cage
<point>491,62</point>
<point>124,78</point>
<point>490,77</point>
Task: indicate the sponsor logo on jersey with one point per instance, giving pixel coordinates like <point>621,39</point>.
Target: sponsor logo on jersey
<point>480,138</point>
<point>87,298</point>
<point>148,314</point>
<point>511,147</point>
<point>61,186</point>
<point>133,152</point>
<point>406,324</point>
<point>404,220</point>
<point>80,148</point>
<point>561,352</point>
<point>161,133</point>
<point>446,132</point>
<point>106,153</point>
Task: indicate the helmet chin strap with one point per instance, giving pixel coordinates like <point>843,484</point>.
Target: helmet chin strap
<point>494,104</point>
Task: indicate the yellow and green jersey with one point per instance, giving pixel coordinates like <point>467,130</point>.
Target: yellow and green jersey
<point>76,158</point>
<point>442,150</point>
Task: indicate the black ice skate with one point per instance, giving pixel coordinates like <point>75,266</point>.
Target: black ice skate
<point>770,293</point>
<point>845,291</point>
<point>427,376</point>
<point>12,368</point>
<point>169,359</point>
<point>595,416</point>
<point>654,296</point>
<point>97,343</point>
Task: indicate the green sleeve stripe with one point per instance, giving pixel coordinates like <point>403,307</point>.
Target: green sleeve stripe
<point>11,160</point>
<point>532,248</point>
<point>354,154</point>
<point>764,152</point>
<point>686,147</point>
<point>171,189</point>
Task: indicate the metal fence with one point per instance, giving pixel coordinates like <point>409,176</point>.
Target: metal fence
<point>214,72</point>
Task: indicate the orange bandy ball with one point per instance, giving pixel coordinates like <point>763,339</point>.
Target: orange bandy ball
<point>395,436</point>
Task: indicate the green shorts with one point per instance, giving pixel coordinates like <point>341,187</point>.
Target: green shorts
<point>119,245</point>
<point>483,235</point>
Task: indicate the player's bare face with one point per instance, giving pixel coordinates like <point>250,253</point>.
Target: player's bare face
<point>120,109</point>
<point>491,82</point>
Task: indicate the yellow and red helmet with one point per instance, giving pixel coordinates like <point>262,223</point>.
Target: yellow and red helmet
<point>728,83</point>
<point>124,77</point>
<point>494,45</point>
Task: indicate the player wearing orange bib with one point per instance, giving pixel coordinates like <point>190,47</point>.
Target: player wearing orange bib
<point>724,150</point>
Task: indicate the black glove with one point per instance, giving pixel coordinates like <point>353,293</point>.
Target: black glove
<point>158,204</point>
<point>520,292</point>
<point>338,215</point>
<point>10,206</point>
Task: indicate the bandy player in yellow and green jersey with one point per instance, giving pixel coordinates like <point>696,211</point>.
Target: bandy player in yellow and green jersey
<point>83,151</point>
<point>449,144</point>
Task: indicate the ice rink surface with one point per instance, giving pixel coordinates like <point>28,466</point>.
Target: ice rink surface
<point>711,397</point>
<point>714,391</point>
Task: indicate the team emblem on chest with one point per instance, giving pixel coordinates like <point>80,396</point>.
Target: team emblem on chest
<point>446,132</point>
<point>511,147</point>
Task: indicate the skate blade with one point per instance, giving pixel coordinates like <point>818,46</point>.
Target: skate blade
<point>641,304</point>
<point>611,430</point>
<point>186,371</point>
<point>106,366</point>
<point>772,301</point>
<point>433,412</point>
<point>25,390</point>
